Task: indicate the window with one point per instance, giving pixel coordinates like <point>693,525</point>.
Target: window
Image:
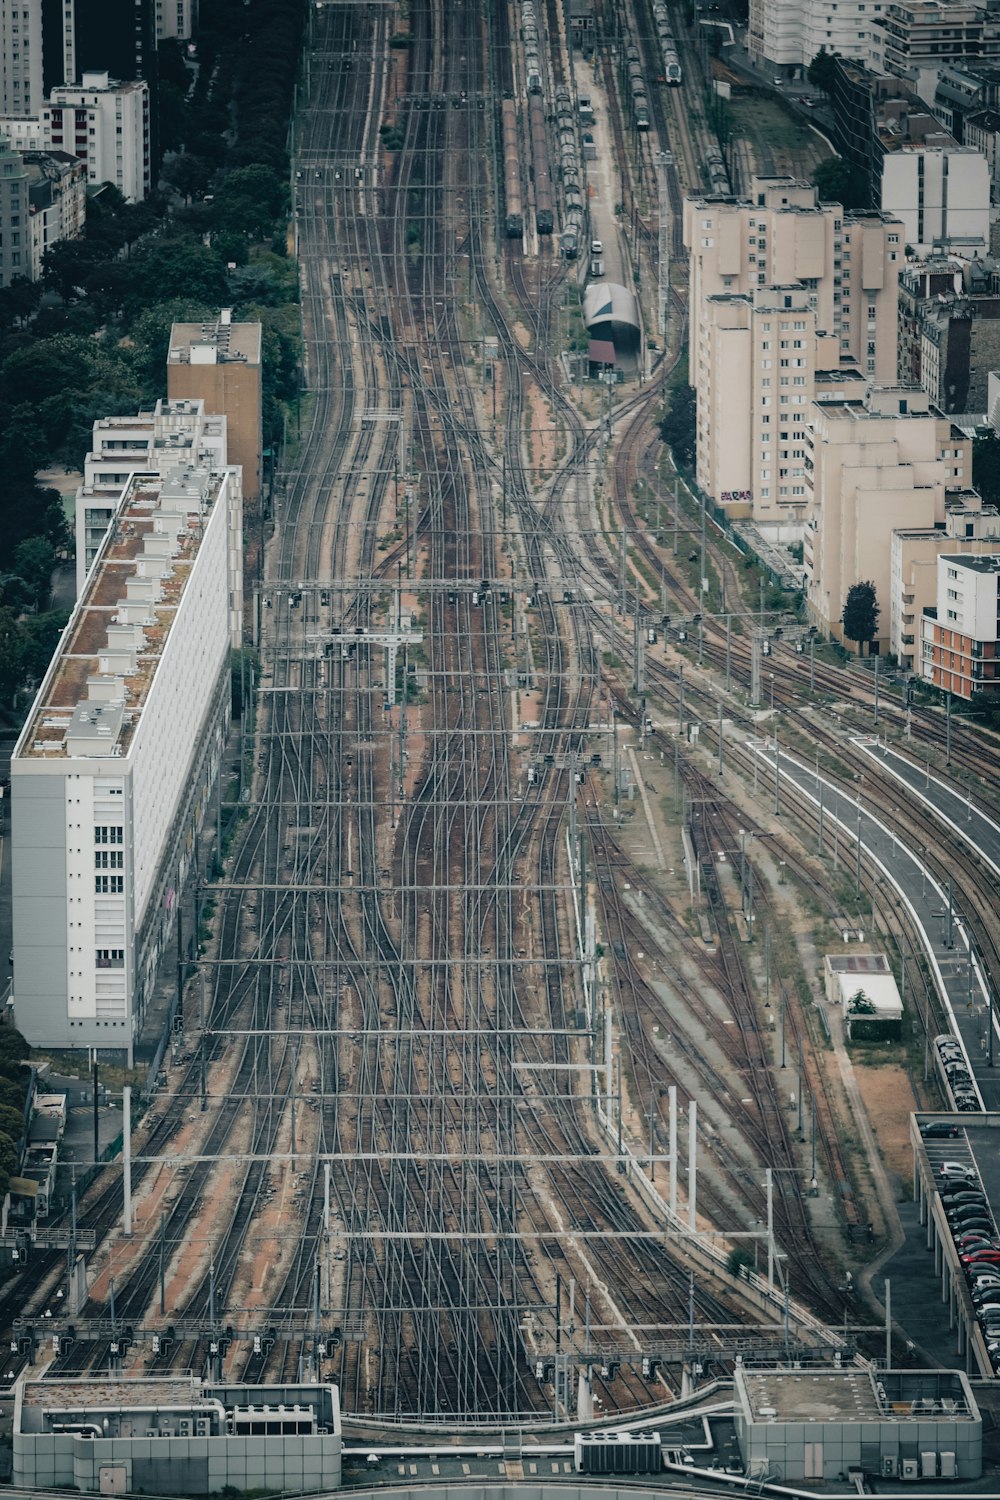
<point>107,835</point>
<point>109,885</point>
<point>110,958</point>
<point>109,859</point>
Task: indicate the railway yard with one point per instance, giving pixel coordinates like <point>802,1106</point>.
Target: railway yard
<point>506,1083</point>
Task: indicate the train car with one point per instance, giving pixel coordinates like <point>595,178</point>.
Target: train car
<point>672,68</point>
<point>513,197</point>
<point>541,169</point>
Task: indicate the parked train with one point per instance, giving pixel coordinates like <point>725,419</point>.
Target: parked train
<point>540,166</point>
<point>668,46</point>
<point>513,197</point>
<point>633,79</point>
<point>573,207</point>
<point>532,51</point>
<point>718,176</point>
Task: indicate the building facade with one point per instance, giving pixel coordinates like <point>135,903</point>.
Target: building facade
<point>57,201</point>
<point>220,364</point>
<point>873,467</point>
<point>15,228</point>
<point>961,635</point>
<point>111,775</point>
<point>969,528</point>
<point>150,443</point>
<point>163,1436</point>
<point>812,293</point>
<point>787,36</point>
<point>105,124</point>
<point>942,198</point>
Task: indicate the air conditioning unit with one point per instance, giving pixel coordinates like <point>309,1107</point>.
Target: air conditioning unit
<point>888,1466</point>
<point>909,1469</point>
<point>948,1466</point>
<point>928,1465</point>
<point>202,1427</point>
<point>184,1429</point>
<point>152,1432</point>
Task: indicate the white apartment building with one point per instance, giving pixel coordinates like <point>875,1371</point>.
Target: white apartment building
<point>15,231</point>
<point>57,201</point>
<point>961,636</point>
<point>176,18</point>
<point>873,467</point>
<point>969,528</point>
<point>112,772</point>
<point>812,265</point>
<point>105,124</point>
<point>941,195</point>
<point>150,443</point>
<point>787,36</point>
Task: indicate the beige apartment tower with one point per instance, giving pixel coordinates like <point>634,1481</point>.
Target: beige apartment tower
<point>873,467</point>
<point>220,364</point>
<point>819,308</point>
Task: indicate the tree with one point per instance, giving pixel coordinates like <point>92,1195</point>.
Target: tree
<point>679,426</point>
<point>11,655</point>
<point>837,181</point>
<point>861,612</point>
<point>34,559</point>
<point>822,71</point>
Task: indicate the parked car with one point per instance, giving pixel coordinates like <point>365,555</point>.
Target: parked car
<point>981,1258</point>
<point>932,1129</point>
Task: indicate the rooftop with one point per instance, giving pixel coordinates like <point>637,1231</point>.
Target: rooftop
<point>93,693</point>
<point>988,562</point>
<point>221,342</point>
<point>857,963</point>
<point>79,1395</point>
<point>853,1395</point>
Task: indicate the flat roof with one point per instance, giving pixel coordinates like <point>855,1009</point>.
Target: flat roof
<point>988,562</point>
<point>857,963</point>
<point>64,703</point>
<point>237,342</point>
<point>77,1395</point>
<point>805,1396</point>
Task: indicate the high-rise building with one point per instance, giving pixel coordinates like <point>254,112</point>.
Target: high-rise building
<point>824,281</point>
<point>961,634</point>
<point>106,124</point>
<point>112,773</point>
<point>15,230</point>
<point>47,44</point>
<point>220,363</point>
<point>873,466</point>
<point>152,442</point>
<point>762,365</point>
<point>57,200</point>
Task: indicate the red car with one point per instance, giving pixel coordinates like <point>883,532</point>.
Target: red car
<point>981,1258</point>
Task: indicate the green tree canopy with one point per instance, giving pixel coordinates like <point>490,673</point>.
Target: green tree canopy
<point>836,181</point>
<point>678,427</point>
<point>822,70</point>
<point>861,614</point>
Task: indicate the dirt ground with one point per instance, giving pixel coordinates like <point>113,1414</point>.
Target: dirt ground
<point>889,1100</point>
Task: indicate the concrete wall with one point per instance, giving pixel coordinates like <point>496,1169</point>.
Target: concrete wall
<point>178,1466</point>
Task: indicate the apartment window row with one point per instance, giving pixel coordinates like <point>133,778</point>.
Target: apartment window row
<point>107,834</point>
<point>109,859</point>
<point>110,958</point>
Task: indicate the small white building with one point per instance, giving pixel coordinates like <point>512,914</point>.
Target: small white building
<point>863,986</point>
<point>105,124</point>
<point>942,196</point>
